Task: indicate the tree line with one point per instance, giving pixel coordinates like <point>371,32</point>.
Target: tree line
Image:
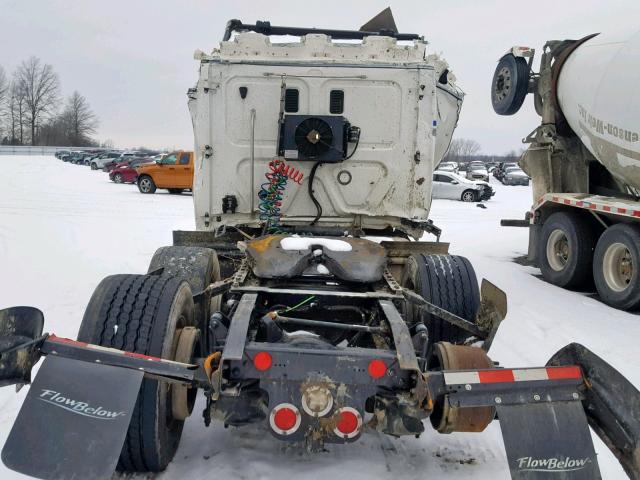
<point>464,150</point>
<point>33,111</point>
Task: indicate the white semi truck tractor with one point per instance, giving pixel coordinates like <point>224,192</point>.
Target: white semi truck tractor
<point>584,160</point>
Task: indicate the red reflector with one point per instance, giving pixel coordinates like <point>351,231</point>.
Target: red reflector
<point>563,373</point>
<point>262,361</point>
<point>285,419</point>
<point>348,422</point>
<point>377,369</point>
<point>495,376</point>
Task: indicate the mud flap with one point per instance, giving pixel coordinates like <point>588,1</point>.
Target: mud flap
<point>611,402</point>
<point>73,421</point>
<point>548,441</point>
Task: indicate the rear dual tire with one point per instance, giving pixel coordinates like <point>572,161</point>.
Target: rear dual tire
<point>448,281</point>
<point>144,314</point>
<point>565,250</point>
<point>615,266</point>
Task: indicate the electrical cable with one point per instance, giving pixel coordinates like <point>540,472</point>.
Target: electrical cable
<point>315,201</point>
<point>354,148</point>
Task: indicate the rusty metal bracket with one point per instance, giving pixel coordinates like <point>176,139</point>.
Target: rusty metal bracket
<point>493,309</point>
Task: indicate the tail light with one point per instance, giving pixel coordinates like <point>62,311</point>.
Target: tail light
<point>262,361</point>
<point>285,419</point>
<point>348,423</point>
<point>377,369</point>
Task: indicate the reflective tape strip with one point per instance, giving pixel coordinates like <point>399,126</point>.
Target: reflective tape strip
<point>561,373</point>
<point>530,374</point>
<point>459,378</point>
<point>496,376</point>
<point>100,348</point>
<point>512,375</point>
<point>629,212</point>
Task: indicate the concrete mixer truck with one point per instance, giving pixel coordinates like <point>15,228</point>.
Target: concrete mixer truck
<point>584,160</point>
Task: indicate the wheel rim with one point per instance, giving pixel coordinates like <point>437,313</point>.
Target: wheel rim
<point>558,250</point>
<point>145,185</point>
<point>503,84</point>
<point>617,267</point>
<point>467,196</point>
<point>117,178</point>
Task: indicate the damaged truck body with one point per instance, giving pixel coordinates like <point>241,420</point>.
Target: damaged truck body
<point>305,300</point>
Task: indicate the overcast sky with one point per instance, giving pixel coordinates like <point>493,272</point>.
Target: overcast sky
<point>133,59</point>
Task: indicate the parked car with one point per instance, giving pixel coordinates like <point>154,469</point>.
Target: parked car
<point>75,157</point>
<point>447,167</point>
<point>455,187</point>
<point>174,172</point>
<point>477,171</point>
<point>99,162</point>
<point>125,157</point>
<point>60,153</point>
<point>90,155</point>
<point>126,172</point>
<point>500,169</point>
<point>515,176</point>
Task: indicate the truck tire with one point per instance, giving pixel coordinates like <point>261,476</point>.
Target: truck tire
<point>146,184</point>
<point>565,250</point>
<point>615,266</point>
<point>197,265</point>
<point>143,314</point>
<point>448,281</point>
<point>510,84</point>
<point>469,196</point>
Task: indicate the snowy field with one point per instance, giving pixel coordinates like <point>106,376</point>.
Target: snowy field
<point>64,227</point>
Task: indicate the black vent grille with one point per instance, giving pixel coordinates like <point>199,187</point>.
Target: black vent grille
<point>336,101</point>
<point>291,100</point>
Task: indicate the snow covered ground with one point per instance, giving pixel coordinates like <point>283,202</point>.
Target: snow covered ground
<point>64,227</point>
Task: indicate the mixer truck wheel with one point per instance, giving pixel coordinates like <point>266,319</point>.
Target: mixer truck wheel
<point>510,84</point>
<point>448,281</point>
<point>146,314</point>
<point>616,265</point>
<point>565,250</point>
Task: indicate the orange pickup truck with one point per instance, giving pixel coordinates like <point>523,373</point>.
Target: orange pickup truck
<point>174,172</point>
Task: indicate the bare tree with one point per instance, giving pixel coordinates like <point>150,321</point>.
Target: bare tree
<point>461,149</point>
<point>4,89</point>
<point>79,120</point>
<point>16,112</point>
<point>469,147</point>
<point>40,85</point>
<point>4,85</point>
